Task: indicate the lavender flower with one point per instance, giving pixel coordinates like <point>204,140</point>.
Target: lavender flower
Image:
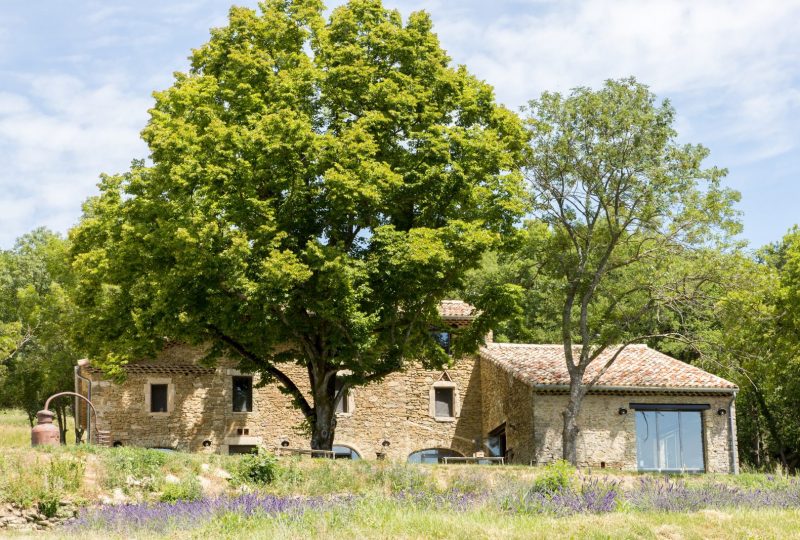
<point>590,496</point>
<point>669,495</point>
<point>160,517</point>
<point>452,499</point>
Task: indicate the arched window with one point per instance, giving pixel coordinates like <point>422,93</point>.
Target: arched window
<point>432,455</point>
<point>344,452</point>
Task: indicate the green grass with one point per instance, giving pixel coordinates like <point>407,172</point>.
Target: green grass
<point>15,430</point>
<point>86,474</point>
<point>380,518</point>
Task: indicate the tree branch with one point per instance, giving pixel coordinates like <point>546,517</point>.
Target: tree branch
<point>284,379</point>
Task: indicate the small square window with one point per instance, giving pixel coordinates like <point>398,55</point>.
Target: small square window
<point>343,406</point>
<point>158,398</point>
<point>242,394</point>
<point>443,407</point>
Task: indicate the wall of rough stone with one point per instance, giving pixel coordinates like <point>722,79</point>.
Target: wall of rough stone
<point>506,399</point>
<point>606,436</point>
<point>20,520</point>
<point>396,410</point>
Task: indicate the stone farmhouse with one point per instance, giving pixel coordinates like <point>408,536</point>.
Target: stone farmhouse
<point>647,412</point>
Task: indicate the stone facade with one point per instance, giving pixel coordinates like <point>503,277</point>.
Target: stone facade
<point>608,438</point>
<point>399,410</point>
<point>200,416</point>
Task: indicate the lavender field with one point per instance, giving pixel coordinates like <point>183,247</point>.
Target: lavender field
<point>90,492</point>
<point>552,504</point>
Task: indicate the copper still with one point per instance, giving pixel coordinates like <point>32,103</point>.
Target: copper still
<point>45,432</point>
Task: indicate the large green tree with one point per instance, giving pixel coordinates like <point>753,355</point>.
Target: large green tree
<point>315,183</point>
<point>627,219</point>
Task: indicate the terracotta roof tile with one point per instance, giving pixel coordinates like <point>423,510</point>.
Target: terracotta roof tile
<point>636,366</point>
<point>456,309</point>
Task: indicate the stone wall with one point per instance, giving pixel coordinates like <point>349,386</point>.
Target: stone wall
<point>508,400</point>
<point>15,518</point>
<point>606,436</point>
<point>396,410</point>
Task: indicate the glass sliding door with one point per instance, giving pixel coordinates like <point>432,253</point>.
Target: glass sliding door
<point>669,440</point>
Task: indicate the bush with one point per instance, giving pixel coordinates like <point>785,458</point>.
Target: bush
<point>258,468</point>
<point>40,482</point>
<point>141,465</point>
<point>48,504</point>
<point>556,476</point>
<point>188,489</point>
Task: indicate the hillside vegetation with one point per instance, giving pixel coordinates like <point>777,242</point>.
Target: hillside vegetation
<point>133,492</point>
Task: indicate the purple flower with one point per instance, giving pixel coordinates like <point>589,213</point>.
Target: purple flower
<point>160,517</point>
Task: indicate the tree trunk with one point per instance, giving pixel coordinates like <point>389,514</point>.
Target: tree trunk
<point>61,417</point>
<point>569,437</point>
<point>323,424</point>
<point>772,426</point>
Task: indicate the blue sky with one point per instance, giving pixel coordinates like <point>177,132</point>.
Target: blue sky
<point>76,79</point>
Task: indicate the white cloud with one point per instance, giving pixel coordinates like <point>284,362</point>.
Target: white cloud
<point>57,138</point>
<point>730,63</point>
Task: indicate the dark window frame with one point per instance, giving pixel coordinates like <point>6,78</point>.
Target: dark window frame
<point>452,401</point>
<point>248,400</point>
<point>669,406</point>
<point>343,451</point>
<point>153,401</point>
<point>499,435</point>
<point>677,408</point>
<point>343,406</point>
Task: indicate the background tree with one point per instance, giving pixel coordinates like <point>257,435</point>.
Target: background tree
<point>314,183</point>
<point>756,343</point>
<point>34,281</point>
<point>629,215</point>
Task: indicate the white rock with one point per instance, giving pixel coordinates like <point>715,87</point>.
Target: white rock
<point>171,479</point>
<point>222,473</point>
<point>118,496</point>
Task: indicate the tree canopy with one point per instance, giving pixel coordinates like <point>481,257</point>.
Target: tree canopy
<point>318,183</point>
<point>625,222</point>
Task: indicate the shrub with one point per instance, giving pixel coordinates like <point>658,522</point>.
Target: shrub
<point>41,481</point>
<point>188,489</point>
<point>48,504</point>
<point>556,476</point>
<point>291,475</point>
<point>64,473</point>
<point>258,468</point>
<point>139,465</point>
